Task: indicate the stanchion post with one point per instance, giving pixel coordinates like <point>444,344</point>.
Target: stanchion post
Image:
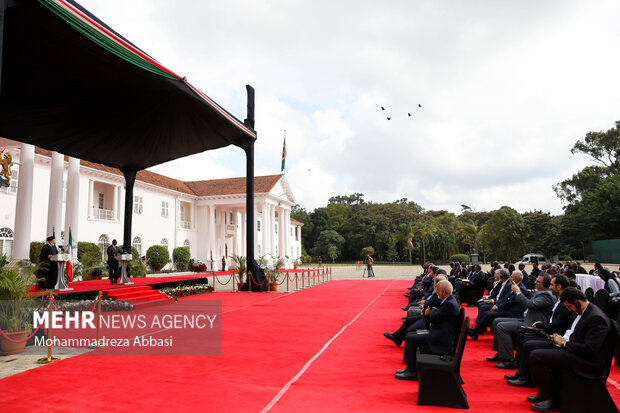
<point>214,277</point>
<point>287,281</point>
<point>303,280</point>
<point>49,358</point>
<point>296,284</point>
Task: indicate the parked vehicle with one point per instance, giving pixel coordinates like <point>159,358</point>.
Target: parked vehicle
<point>533,258</point>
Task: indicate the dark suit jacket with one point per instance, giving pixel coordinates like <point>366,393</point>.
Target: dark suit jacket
<point>495,291</point>
<point>587,342</point>
<point>509,302</point>
<point>48,266</point>
<point>112,251</point>
<point>561,320</point>
<point>538,307</point>
<point>441,326</point>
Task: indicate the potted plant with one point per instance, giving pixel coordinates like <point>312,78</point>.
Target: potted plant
<point>16,306</point>
<point>239,268</point>
<point>271,266</point>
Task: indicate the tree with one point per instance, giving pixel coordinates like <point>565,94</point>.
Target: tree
<point>505,234</point>
<point>404,235</point>
<point>471,232</point>
<point>327,238</point>
<point>333,253</point>
<point>157,257</point>
<point>181,256</point>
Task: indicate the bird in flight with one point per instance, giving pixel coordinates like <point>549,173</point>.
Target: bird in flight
<point>389,118</point>
<point>382,108</point>
<point>409,114</point>
<point>419,105</point>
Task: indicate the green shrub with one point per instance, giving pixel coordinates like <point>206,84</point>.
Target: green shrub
<point>35,251</point>
<point>136,269</point>
<point>157,257</point>
<point>181,256</point>
<point>459,258</point>
<point>135,255</point>
<point>89,255</point>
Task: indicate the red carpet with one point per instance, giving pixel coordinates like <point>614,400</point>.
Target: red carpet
<point>320,349</point>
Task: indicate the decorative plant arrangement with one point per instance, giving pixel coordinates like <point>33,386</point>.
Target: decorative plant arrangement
<point>184,291</point>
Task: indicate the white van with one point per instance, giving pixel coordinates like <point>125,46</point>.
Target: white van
<point>532,258</point>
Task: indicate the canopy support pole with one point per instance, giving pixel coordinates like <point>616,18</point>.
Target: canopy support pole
<point>130,179</point>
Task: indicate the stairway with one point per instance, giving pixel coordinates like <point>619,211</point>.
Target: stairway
<point>139,296</point>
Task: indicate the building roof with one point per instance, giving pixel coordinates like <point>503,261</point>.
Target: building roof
<point>213,187</point>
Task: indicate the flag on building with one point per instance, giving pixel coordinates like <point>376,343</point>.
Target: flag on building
<point>283,152</point>
<point>70,263</point>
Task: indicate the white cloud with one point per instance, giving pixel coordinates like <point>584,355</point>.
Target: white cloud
<point>506,87</point>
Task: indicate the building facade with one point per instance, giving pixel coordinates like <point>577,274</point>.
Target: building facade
<point>53,193</point>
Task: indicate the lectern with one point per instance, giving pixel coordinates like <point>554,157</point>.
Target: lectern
<point>61,260</point>
<point>123,258</point>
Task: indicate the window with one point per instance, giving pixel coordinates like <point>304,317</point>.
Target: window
<point>230,221</point>
<point>186,245</point>
<point>137,204</point>
<point>6,242</point>
<point>258,226</point>
<point>137,244</point>
<point>100,201</point>
<point>164,243</point>
<point>164,209</point>
<point>276,227</point>
<point>103,242</point>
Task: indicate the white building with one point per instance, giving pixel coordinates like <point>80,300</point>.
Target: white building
<point>208,217</point>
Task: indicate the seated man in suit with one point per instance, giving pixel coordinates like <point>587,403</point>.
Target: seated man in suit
<point>425,288</point>
<point>506,330</point>
<point>440,334</point>
<point>580,349</point>
<point>470,289</point>
<point>561,319</point>
<point>433,301</point>
<point>487,301</point>
<point>505,305</point>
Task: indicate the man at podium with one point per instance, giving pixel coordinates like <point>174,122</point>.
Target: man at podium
<point>113,263</point>
<point>49,269</point>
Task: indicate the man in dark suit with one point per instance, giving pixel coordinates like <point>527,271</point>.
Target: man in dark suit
<point>470,289</point>
<point>49,268</point>
<point>506,330</point>
<point>113,262</point>
<point>505,305</point>
<point>412,318</point>
<point>561,319</point>
<point>580,349</point>
<point>440,335</point>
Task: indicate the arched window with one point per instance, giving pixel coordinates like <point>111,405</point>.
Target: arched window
<point>103,242</point>
<point>164,243</point>
<point>137,244</point>
<point>6,242</point>
<point>186,245</point>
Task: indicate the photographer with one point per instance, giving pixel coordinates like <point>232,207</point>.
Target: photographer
<point>369,262</point>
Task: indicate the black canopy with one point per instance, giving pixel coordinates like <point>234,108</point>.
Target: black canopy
<point>69,83</point>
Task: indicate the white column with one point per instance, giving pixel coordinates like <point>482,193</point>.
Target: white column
<point>244,233</point>
<point>265,229</point>
<point>54,206</point>
<point>235,237</point>
<point>287,236</point>
<point>115,202</point>
<point>282,233</point>
<point>23,210</point>
<point>91,189</point>
<point>272,235</point>
<point>72,209</point>
<point>212,245</point>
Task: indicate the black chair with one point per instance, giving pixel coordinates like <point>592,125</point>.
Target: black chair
<point>440,382</point>
<point>601,300</point>
<point>589,294</point>
<point>579,394</point>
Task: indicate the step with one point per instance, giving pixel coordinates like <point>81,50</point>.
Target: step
<point>140,304</point>
<point>133,295</point>
<point>114,291</point>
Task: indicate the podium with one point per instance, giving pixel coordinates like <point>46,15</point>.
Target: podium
<point>123,258</point>
<point>61,260</point>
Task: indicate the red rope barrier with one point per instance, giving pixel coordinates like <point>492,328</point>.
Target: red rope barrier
<point>226,283</point>
<point>19,341</point>
<point>252,278</point>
